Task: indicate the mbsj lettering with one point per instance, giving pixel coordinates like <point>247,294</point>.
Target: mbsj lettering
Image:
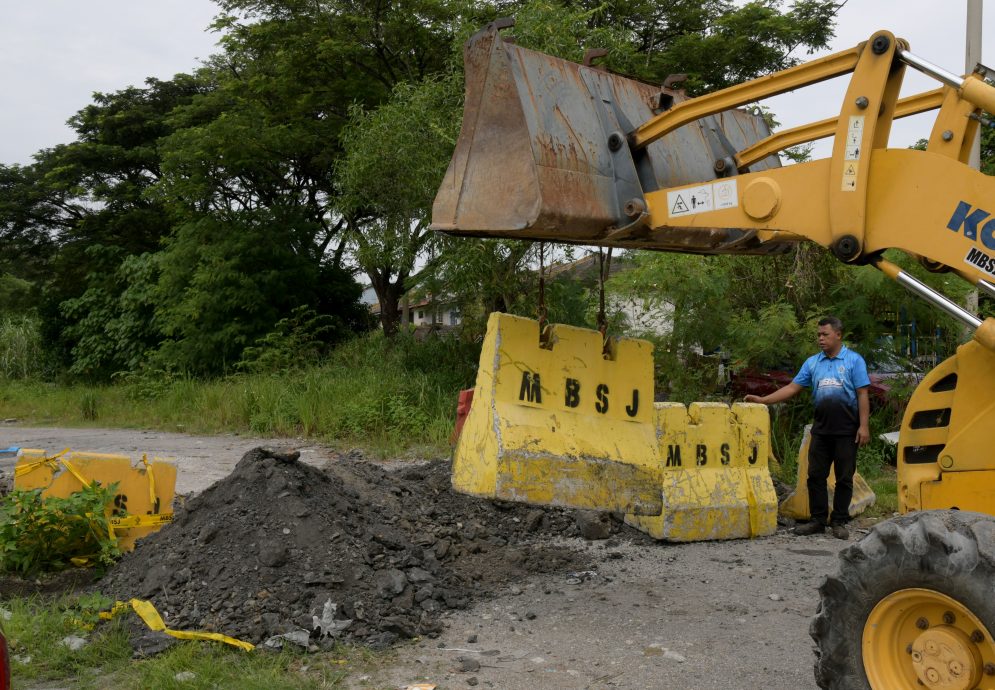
<point>980,259</point>
<point>575,393</point>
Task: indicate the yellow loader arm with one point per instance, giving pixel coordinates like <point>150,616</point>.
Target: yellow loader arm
<point>569,153</point>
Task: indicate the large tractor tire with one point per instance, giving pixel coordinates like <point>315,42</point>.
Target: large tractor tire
<point>912,607</point>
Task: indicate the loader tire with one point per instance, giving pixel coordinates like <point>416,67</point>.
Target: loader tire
<point>914,600</point>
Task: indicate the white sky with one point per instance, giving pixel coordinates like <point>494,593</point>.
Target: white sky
<point>55,53</point>
<point>936,31</point>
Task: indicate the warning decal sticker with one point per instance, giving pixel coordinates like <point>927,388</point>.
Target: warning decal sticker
<point>854,137</point>
<point>708,197</point>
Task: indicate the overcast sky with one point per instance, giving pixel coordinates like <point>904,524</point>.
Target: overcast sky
<point>55,53</point>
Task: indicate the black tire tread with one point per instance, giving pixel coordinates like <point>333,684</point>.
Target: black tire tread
<point>946,550</point>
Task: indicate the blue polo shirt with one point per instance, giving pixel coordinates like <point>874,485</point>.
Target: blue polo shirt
<point>834,382</point>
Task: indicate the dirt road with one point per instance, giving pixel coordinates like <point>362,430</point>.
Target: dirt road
<point>720,615</point>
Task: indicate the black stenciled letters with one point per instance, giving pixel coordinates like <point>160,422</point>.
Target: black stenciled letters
<point>632,409</point>
<point>531,389</point>
<point>602,393</point>
<point>725,453</point>
<point>572,395</point>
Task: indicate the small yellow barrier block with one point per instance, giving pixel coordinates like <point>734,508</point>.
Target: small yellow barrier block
<point>559,423</point>
<point>715,480</point>
<point>144,498</point>
<point>795,504</point>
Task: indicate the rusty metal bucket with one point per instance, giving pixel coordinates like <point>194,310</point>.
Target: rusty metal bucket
<point>542,153</point>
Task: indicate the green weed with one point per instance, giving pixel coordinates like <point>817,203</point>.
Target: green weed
<point>44,534</point>
<point>35,630</point>
<point>389,395</point>
<point>21,352</point>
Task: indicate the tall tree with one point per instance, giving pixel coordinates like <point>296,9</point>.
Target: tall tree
<point>715,42</point>
<point>249,171</point>
<point>85,204</point>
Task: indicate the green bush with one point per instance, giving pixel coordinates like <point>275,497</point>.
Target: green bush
<point>21,353</point>
<point>45,534</point>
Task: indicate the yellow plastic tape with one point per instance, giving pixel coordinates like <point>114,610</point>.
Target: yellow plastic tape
<point>147,612</point>
<point>25,467</point>
<point>144,497</point>
<point>127,521</point>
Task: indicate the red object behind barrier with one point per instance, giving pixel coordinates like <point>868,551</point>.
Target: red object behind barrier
<point>462,410</point>
<point>4,663</point>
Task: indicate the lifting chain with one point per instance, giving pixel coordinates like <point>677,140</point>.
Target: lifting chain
<point>541,308</point>
<point>604,268</point>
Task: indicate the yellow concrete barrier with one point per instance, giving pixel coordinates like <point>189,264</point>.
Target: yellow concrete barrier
<point>795,504</point>
<point>558,423</point>
<point>715,480</point>
<point>144,498</point>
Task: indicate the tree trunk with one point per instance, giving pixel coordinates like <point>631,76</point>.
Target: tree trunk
<point>389,295</point>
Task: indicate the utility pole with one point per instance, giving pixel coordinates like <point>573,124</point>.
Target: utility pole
<point>972,57</point>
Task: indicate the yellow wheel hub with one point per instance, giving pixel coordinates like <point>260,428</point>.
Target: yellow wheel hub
<point>917,638</point>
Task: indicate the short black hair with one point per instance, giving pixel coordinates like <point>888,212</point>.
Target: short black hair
<point>832,321</point>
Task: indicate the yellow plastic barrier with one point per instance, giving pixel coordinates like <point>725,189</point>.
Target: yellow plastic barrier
<point>147,612</point>
<point>560,424</point>
<point>144,498</point>
<point>716,483</point>
<point>795,504</point>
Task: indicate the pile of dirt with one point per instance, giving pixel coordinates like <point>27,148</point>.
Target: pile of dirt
<point>350,550</point>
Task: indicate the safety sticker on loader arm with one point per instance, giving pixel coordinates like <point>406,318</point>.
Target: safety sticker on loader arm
<point>701,198</point>
<point>559,423</point>
<point>854,139</point>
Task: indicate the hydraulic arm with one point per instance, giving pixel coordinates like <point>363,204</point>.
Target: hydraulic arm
<point>554,150</point>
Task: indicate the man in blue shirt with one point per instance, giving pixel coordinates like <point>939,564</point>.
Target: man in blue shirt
<point>838,379</point>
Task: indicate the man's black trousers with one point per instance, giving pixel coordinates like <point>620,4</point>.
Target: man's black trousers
<point>827,450</point>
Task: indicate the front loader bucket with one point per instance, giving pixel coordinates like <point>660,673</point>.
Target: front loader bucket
<point>542,153</point>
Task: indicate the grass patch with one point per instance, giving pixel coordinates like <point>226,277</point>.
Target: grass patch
<point>35,628</point>
<point>389,396</point>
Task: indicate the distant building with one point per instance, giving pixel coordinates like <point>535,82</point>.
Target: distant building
<point>423,311</point>
<point>639,316</point>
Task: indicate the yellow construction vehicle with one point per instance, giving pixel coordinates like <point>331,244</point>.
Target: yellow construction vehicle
<point>570,153</point>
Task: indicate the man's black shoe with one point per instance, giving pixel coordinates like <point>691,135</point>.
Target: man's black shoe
<point>840,532</point>
<point>810,528</point>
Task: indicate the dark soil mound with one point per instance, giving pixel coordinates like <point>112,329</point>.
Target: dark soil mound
<point>278,545</point>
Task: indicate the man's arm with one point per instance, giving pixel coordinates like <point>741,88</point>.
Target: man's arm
<point>780,395</point>
<point>864,410</point>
